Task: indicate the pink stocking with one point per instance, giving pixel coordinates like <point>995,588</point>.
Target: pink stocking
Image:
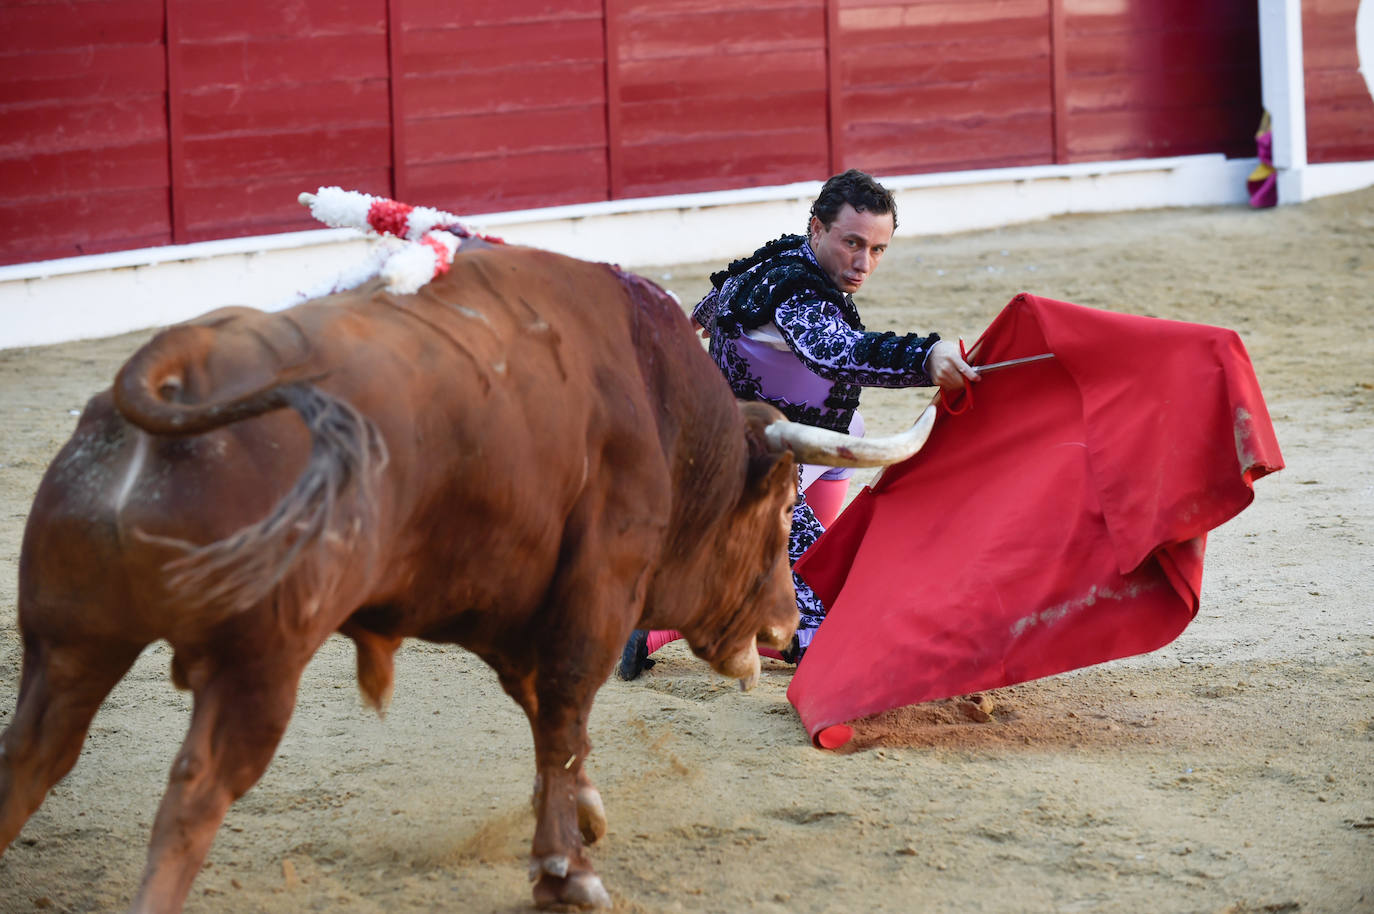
<point>657,639</point>
<point>826,498</point>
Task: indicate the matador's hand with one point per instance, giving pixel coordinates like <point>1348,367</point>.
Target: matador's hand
<point>947,368</point>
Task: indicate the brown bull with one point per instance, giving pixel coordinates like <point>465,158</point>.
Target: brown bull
<point>529,457</point>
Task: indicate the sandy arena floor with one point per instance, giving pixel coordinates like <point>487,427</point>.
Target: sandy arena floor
<point>1231,772</point>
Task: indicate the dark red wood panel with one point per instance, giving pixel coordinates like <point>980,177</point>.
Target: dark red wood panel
<point>666,29</point>
<point>948,102</point>
<point>510,182</point>
<point>1128,51</point>
<point>101,72</point>
<point>756,160</point>
<point>63,25</point>
<point>1100,16</point>
<point>551,86</point>
<point>461,139</point>
<point>949,62</point>
<point>421,17</point>
<point>1101,136</point>
<point>907,21</point>
<point>1150,78</point>
<point>1106,91</point>
<point>230,159</point>
<point>886,148</point>
<point>327,63</point>
<point>280,96</point>
<point>83,128</point>
<point>934,86</point>
<point>57,125</point>
<point>71,173</point>
<point>244,110</point>
<point>96,223</point>
<point>684,80</point>
<point>1340,111</point>
<point>253,206</point>
<point>681,118</point>
<point>249,21</point>
<point>511,93</point>
<point>717,95</point>
<point>512,47</point>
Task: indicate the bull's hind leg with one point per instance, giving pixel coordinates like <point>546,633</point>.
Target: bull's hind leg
<point>243,703</point>
<point>60,689</point>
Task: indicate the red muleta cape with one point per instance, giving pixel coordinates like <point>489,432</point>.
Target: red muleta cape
<point>1058,523</point>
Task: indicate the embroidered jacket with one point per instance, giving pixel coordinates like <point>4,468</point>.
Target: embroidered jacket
<point>780,299</point>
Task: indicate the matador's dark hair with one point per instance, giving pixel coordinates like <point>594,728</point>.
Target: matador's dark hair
<point>857,189</point>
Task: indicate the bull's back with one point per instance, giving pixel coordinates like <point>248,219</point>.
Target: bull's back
<point>509,392</point>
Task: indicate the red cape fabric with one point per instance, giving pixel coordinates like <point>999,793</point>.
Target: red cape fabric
<point>1059,522</point>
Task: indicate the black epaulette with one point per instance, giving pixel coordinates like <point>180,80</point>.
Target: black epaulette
<point>767,252</point>
<point>776,272</point>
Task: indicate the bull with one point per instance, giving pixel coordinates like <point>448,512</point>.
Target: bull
<point>529,457</point>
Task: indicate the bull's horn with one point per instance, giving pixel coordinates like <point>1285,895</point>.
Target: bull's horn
<point>810,444</point>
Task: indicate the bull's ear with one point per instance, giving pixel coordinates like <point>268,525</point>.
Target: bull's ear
<point>764,456</point>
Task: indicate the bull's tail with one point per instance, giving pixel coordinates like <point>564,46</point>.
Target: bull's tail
<point>150,390</point>
<point>314,534</point>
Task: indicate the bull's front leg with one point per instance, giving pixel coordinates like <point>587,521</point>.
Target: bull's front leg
<point>610,542</point>
<point>591,812</point>
<point>559,866</point>
<point>567,806</point>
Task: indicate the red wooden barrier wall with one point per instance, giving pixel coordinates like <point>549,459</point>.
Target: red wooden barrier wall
<point>1340,112</point>
<point>83,129</point>
<point>126,123</point>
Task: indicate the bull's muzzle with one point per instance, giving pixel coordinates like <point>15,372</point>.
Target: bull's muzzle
<point>744,666</point>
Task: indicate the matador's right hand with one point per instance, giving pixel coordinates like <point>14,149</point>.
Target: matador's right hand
<point>946,367</point>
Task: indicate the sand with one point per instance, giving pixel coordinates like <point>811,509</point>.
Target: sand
<point>1229,772</point>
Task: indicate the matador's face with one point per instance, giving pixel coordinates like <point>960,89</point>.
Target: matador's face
<point>851,246</point>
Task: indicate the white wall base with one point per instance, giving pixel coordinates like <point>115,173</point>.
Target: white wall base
<point>1325,179</point>
<point>101,295</point>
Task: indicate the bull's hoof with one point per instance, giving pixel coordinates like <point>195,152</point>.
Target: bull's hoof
<point>634,659</point>
<point>580,890</point>
<point>554,865</point>
<point>743,666</point>
<point>591,815</point>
